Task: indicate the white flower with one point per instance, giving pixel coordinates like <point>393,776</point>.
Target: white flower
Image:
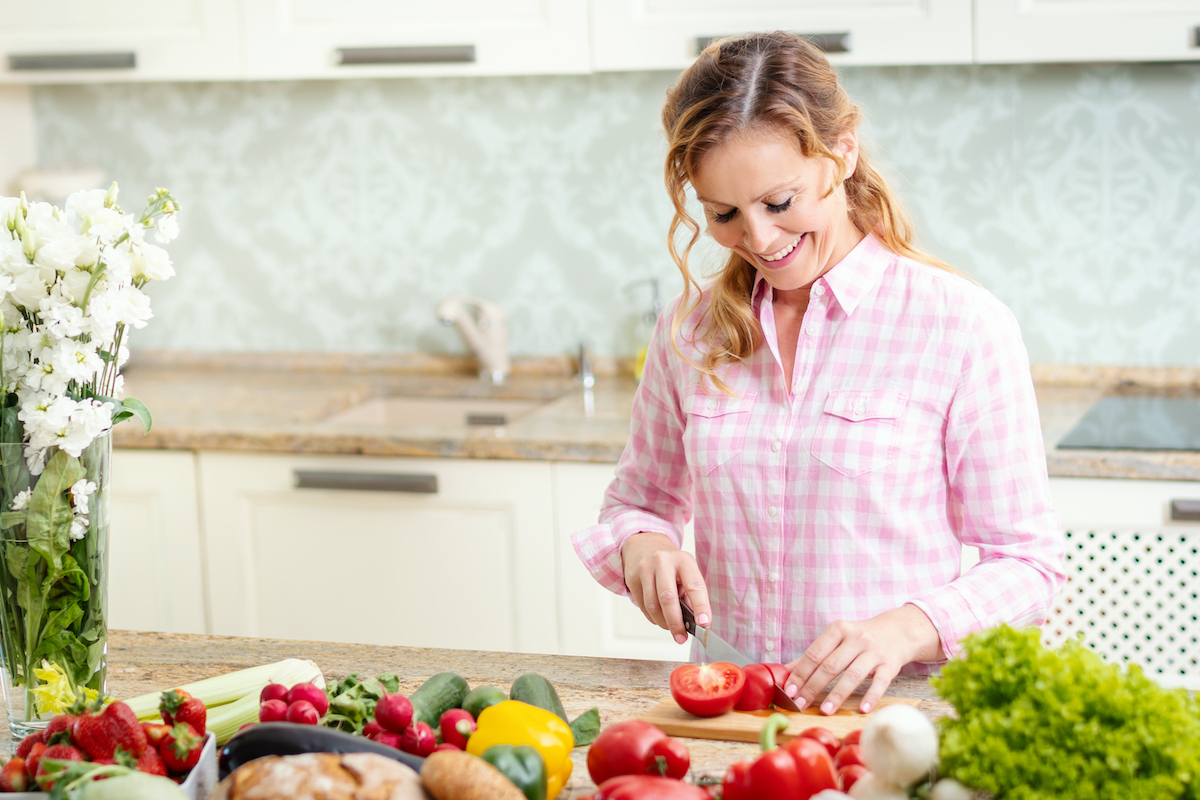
<point>79,527</point>
<point>107,225</point>
<point>64,253</point>
<point>82,205</point>
<point>75,360</point>
<point>153,263</point>
<point>60,317</point>
<point>22,499</point>
<point>166,229</point>
<point>80,491</point>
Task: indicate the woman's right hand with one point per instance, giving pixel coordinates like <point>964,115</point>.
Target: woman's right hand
<point>658,574</point>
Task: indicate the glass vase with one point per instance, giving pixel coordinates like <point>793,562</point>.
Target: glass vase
<point>53,581</point>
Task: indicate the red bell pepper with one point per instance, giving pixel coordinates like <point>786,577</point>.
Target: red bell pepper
<point>635,747</point>
<point>814,766</point>
<point>773,774</point>
<point>646,787</point>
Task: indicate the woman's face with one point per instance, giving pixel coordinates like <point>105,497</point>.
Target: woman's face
<point>765,200</point>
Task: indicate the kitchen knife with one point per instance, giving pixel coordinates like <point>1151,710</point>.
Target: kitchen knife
<point>717,649</point>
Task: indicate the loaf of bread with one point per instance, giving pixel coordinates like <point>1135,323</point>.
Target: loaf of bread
<point>322,776</point>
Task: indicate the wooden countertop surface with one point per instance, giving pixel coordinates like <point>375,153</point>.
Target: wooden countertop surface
<point>622,689</point>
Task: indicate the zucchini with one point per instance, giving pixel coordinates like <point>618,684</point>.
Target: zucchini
<point>482,697</point>
<point>436,696</point>
<point>535,690</point>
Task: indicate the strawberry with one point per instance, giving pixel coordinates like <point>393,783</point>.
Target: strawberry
<point>155,733</point>
<point>58,731</point>
<point>179,706</point>
<point>116,726</point>
<point>149,762</point>
<point>181,749</point>
<point>55,752</point>
<point>27,743</point>
<point>13,777</point>
<point>31,760</point>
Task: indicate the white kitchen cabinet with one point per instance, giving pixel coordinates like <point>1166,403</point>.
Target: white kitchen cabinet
<point>387,38</point>
<point>1017,31</point>
<point>470,565</point>
<point>664,34</point>
<point>72,41</point>
<point>154,564</point>
<point>593,620</point>
<point>1131,574</point>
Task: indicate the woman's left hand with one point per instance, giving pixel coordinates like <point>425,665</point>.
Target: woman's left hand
<point>879,646</point>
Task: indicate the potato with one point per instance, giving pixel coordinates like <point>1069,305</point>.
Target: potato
<point>455,775</point>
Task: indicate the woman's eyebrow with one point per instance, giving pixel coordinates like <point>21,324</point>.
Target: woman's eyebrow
<point>785,185</point>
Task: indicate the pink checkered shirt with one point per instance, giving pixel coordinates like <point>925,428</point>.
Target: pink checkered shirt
<point>910,430</point>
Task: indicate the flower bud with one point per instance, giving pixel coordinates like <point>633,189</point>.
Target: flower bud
<point>110,198</point>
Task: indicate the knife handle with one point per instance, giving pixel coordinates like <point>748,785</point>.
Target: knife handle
<point>689,620</point>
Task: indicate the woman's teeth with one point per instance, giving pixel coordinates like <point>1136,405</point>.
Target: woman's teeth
<point>781,253</point>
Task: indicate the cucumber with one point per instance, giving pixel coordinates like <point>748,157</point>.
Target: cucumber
<point>436,696</point>
<point>480,698</point>
<point>535,690</point>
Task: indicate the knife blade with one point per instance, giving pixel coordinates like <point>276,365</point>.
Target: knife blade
<point>716,648</point>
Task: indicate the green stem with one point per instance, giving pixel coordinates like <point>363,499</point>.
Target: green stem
<point>775,724</point>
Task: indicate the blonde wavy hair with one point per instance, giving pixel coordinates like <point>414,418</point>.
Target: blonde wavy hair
<point>765,81</point>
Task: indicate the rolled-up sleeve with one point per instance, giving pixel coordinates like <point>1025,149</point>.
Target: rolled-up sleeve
<point>996,469</point>
<point>652,488</point>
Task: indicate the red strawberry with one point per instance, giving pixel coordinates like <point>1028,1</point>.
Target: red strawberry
<point>31,761</point>
<point>181,749</point>
<point>58,731</point>
<point>55,752</point>
<point>27,743</point>
<point>13,777</point>
<point>179,706</point>
<point>149,762</point>
<point>155,733</point>
<point>116,726</point>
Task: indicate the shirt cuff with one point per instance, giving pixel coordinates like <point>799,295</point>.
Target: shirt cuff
<point>950,614</point>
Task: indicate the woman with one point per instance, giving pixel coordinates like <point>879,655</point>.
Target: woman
<point>839,412</point>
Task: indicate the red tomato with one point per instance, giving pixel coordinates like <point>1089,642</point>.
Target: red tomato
<point>852,737</point>
<point>759,691</point>
<point>675,758</point>
<point>646,787</point>
<point>814,764</point>
<point>707,690</point>
<point>824,736</point>
<point>849,754</point>
<point>779,673</point>
<point>849,775</point>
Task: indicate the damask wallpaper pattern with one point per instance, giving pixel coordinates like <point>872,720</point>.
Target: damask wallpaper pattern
<point>335,215</point>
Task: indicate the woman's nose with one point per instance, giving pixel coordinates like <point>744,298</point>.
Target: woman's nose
<point>758,234</point>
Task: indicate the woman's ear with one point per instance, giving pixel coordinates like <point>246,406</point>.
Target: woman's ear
<point>847,148</point>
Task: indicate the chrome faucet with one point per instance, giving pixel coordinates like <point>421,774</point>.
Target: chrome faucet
<point>484,327</point>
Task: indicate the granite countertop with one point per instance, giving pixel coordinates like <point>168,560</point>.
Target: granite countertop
<point>622,689</point>
<point>289,404</point>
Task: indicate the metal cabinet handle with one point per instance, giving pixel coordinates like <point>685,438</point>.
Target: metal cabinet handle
<point>39,62</point>
<point>1185,510</point>
<point>408,482</point>
<point>415,54</point>
<point>825,42</point>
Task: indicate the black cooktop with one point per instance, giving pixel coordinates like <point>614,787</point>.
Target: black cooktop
<point>1136,422</point>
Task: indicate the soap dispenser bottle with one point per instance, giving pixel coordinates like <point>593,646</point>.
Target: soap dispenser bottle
<point>644,330</point>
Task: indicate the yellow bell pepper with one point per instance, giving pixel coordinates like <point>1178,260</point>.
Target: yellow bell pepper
<point>513,722</point>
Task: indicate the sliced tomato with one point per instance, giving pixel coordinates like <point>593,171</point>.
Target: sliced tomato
<point>759,691</point>
<point>707,690</point>
<point>825,737</point>
<point>779,673</point>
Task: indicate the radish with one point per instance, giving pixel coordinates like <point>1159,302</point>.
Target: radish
<point>273,691</point>
<point>394,712</point>
<point>272,711</point>
<point>390,739</point>
<point>456,725</point>
<point>418,739</point>
<point>303,713</point>
<point>315,696</point>
<point>372,728</point>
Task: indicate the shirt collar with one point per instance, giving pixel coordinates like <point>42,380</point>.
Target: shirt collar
<point>850,280</point>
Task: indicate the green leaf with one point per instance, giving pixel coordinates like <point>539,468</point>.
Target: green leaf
<point>586,727</point>
<point>11,519</point>
<point>131,407</point>
<point>48,528</point>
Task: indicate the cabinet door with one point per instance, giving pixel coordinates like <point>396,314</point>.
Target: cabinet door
<point>1131,567</point>
<point>469,564</point>
<point>594,621</point>
<point>71,41</point>
<point>667,34</point>
<point>155,569</point>
<point>381,38</point>
<point>1010,31</point>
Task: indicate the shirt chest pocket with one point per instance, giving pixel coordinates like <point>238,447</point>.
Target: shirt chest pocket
<point>859,430</point>
<point>716,428</point>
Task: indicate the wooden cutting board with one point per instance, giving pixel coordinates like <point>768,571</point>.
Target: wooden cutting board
<point>744,726</point>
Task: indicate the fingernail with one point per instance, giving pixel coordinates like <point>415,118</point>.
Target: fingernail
<point>827,708</point>
<point>702,619</point>
<point>866,708</point>
<point>680,638</point>
<point>803,704</point>
<point>791,690</point>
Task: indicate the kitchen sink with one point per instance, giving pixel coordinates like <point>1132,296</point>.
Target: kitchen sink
<point>436,411</point>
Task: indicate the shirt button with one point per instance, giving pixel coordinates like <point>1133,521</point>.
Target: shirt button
<point>772,511</point>
<point>811,330</point>
<point>712,404</point>
<point>769,647</point>
<point>775,445</point>
<point>818,290</point>
<point>774,576</point>
<point>860,407</point>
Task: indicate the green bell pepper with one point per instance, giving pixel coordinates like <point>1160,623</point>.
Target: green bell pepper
<point>521,764</point>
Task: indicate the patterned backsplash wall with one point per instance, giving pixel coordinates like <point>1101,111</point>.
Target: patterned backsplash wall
<point>334,216</point>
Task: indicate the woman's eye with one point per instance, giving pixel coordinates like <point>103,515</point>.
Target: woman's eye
<point>780,208</point>
<point>728,215</point>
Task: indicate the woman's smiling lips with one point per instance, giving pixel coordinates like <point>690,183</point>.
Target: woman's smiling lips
<point>780,258</point>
